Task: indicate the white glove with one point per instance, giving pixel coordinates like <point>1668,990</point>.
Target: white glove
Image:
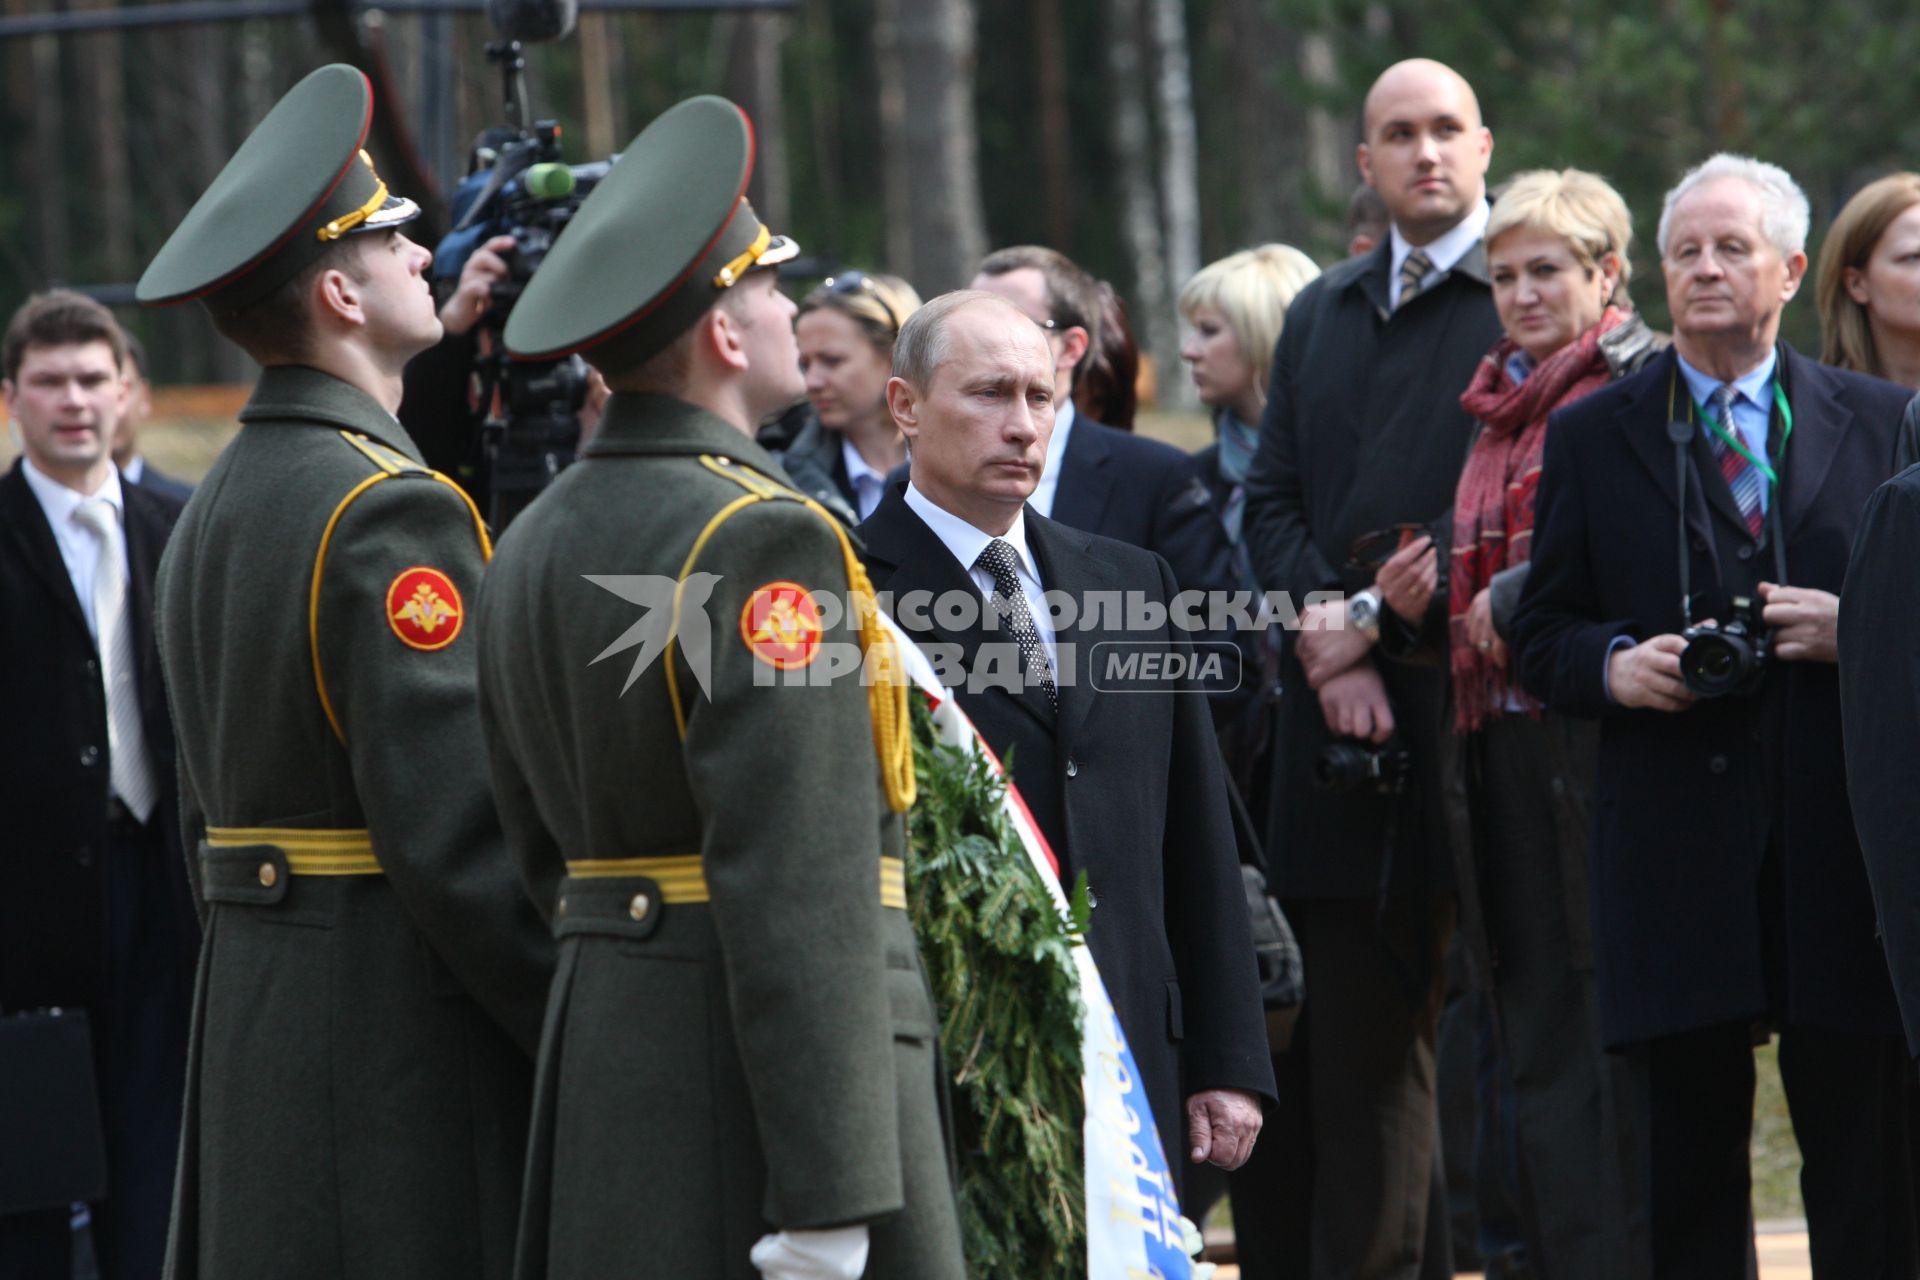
<point>838,1254</point>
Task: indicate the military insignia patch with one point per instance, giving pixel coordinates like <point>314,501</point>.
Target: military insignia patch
<point>424,609</point>
<point>781,625</point>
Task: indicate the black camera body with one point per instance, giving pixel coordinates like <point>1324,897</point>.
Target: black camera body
<point>1354,764</point>
<point>1727,660</point>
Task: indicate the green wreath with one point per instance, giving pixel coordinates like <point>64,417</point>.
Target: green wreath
<point>999,958</point>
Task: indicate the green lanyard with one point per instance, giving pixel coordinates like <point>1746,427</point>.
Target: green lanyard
<point>1733,441</point>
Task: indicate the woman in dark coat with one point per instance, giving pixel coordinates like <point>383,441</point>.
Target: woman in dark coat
<point>1557,258</point>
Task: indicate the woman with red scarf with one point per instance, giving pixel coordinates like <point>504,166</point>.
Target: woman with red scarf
<point>1557,258</point>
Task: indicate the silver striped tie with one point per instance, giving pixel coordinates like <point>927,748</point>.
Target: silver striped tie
<point>132,769</point>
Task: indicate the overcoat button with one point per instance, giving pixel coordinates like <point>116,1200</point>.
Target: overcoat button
<point>84,855</point>
<point>89,756</point>
<point>1718,764</point>
<point>638,907</point>
<point>269,874</point>
<point>1745,552</point>
<point>560,907</point>
<point>1073,769</point>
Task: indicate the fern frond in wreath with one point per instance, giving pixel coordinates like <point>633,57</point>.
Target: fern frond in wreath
<point>999,958</point>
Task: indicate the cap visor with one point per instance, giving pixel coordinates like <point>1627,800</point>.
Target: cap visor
<point>779,249</point>
<point>397,210</point>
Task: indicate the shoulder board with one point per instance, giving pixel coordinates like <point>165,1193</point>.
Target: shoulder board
<point>752,481</point>
<point>391,463</point>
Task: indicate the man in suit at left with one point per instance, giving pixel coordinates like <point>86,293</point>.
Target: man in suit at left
<point>95,912</point>
<point>1126,785</point>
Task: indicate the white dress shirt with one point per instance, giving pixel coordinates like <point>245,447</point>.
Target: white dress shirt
<point>79,547</point>
<point>868,484</point>
<point>1042,499</point>
<point>1444,252</point>
<point>966,543</point>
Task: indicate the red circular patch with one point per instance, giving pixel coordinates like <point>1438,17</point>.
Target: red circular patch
<point>781,625</point>
<point>424,608</point>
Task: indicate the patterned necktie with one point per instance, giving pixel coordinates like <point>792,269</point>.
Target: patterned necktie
<point>132,771</point>
<point>1010,602</point>
<point>1412,272</point>
<point>1743,478</point>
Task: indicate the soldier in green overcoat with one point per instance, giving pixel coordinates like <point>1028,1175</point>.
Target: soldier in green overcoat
<point>371,985</point>
<point>738,1075</point>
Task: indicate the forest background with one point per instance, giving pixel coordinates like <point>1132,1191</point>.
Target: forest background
<point>1143,137</point>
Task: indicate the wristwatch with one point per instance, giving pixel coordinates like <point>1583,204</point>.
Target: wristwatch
<point>1363,612</point>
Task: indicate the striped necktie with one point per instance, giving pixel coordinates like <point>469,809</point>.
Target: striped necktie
<point>1010,602</point>
<point>1413,272</point>
<point>132,770</point>
<point>1743,478</point>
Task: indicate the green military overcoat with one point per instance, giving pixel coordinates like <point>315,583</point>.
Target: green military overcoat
<point>740,1038</point>
<point>370,989</point>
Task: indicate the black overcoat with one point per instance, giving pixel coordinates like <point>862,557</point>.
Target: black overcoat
<point>1363,430</point>
<point>1127,787</point>
<point>53,756</point>
<point>1686,803</point>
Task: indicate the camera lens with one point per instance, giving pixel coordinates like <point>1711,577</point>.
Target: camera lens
<point>1715,664</point>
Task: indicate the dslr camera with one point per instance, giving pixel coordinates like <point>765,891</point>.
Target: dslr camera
<point>1730,660</point>
<point>1354,764</point>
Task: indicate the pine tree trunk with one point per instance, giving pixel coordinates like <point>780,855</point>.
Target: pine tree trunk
<point>929,137</point>
<point>1056,146</point>
<point>101,68</point>
<point>596,85</point>
<point>1139,213</point>
<point>1179,184</point>
<point>755,82</point>
<point>1268,128</point>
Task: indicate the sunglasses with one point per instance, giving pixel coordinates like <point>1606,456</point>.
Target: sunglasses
<point>858,284</point>
<point>1371,550</point>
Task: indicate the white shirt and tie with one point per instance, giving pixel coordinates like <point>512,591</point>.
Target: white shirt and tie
<point>868,485</point>
<point>1443,253</point>
<point>966,543</point>
<point>89,530</point>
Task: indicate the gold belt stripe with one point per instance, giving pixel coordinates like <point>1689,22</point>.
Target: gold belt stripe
<point>309,851</point>
<point>682,879</point>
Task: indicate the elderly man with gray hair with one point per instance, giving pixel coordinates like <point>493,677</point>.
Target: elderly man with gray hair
<point>1692,530</point>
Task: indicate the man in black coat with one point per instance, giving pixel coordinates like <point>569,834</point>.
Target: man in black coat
<point>1126,785</point>
<point>1880,709</point>
<point>1729,896</point>
<point>95,913</point>
<point>1098,479</point>
<point>1363,431</point>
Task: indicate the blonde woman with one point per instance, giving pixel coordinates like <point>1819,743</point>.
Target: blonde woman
<point>1557,258</point>
<point>845,331</point>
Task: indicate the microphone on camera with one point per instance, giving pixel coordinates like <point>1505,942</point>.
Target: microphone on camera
<point>532,21</point>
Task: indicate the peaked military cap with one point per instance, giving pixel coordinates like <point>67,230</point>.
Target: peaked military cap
<point>661,238</point>
<point>298,184</point>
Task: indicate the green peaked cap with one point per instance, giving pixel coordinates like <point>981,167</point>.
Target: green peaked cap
<point>659,240</point>
<point>296,185</point>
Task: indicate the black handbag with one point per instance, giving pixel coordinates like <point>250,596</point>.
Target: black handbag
<point>1276,952</point>
<point>52,1151</point>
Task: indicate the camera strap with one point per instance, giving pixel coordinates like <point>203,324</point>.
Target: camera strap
<point>1681,433</point>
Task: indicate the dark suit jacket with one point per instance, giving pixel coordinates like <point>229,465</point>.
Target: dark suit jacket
<point>154,480</point>
<point>1127,787</point>
<point>1688,804</point>
<point>54,770</point>
<point>1145,493</point>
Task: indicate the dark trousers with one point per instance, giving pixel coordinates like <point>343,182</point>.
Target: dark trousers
<point>1847,1095</point>
<point>1341,1183</point>
<point>140,1059</point>
<point>143,1062</point>
<point>1584,1204</point>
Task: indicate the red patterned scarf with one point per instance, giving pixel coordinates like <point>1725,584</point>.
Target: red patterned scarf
<point>1493,506</point>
